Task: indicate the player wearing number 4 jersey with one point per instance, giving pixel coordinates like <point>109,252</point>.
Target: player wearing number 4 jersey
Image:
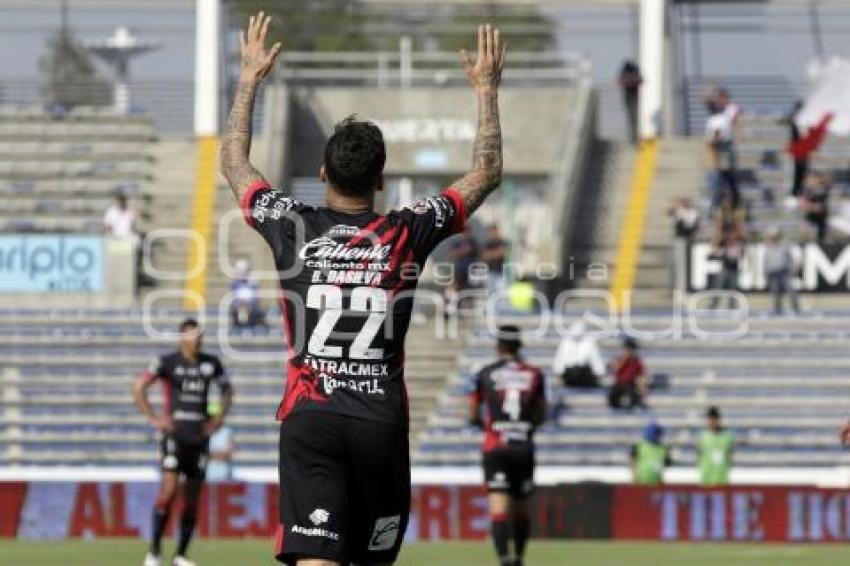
<point>346,274</point>
<point>512,396</point>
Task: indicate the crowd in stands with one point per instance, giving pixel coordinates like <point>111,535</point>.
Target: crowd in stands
<point>471,259</point>
<point>579,363</point>
<point>728,220</point>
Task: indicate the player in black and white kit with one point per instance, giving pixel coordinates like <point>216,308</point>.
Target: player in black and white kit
<point>347,275</point>
<point>509,402</point>
<point>186,377</point>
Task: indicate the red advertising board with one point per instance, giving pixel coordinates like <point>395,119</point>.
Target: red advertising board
<point>56,510</point>
<point>741,513</point>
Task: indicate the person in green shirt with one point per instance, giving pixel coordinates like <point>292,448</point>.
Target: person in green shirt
<point>715,448</point>
<point>650,456</point>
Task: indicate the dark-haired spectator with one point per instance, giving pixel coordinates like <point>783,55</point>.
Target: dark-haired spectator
<point>730,253</point>
<point>630,80</point>
<point>801,161</point>
<point>721,158</point>
<point>714,450</point>
<point>245,309</point>
<point>779,267</point>
<point>578,360</point>
<point>649,457</point>
<point>732,110</point>
<point>685,218</point>
<point>119,220</point>
<point>629,378</point>
<point>815,203</point>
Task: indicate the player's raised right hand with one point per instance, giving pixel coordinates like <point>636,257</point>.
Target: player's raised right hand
<point>486,70</point>
<point>257,61</point>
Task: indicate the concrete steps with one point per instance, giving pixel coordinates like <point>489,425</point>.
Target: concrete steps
<point>602,205</point>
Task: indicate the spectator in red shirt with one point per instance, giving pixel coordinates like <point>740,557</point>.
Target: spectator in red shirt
<point>630,378</point>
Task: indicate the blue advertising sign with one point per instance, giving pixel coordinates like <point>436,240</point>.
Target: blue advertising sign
<point>51,264</point>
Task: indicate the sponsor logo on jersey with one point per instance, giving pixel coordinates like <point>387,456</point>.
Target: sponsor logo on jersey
<point>207,368</point>
<point>329,249</point>
<point>385,533</point>
<point>512,379</point>
<point>343,230</point>
<point>368,387</point>
<point>315,532</point>
<point>438,205</point>
<point>319,516</point>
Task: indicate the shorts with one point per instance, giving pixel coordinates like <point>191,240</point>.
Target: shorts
<point>187,459</point>
<point>344,489</point>
<point>510,469</point>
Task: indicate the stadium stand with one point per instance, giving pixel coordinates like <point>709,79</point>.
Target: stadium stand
<point>65,377</point>
<point>783,388</point>
<point>59,171</point>
<point>783,385</point>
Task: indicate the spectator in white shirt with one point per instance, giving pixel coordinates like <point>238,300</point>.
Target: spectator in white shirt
<point>578,360</point>
<point>119,219</point>
<point>721,158</point>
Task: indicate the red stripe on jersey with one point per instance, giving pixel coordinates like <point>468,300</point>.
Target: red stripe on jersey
<point>492,439</point>
<point>248,195</point>
<point>290,350</point>
<point>369,228</point>
<point>279,534</point>
<point>166,396</point>
<point>402,282</point>
<point>459,221</point>
<point>398,248</point>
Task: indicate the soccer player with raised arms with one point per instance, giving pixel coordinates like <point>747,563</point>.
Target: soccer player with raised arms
<point>346,302</point>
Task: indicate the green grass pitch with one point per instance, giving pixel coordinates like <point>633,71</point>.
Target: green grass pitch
<point>256,552</point>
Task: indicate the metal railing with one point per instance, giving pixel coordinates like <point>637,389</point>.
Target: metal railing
<point>408,68</point>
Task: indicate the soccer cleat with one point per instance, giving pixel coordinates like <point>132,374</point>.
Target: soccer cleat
<point>181,561</point>
<point>151,560</point>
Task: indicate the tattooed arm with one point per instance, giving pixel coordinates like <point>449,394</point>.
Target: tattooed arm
<point>484,75</point>
<point>257,62</point>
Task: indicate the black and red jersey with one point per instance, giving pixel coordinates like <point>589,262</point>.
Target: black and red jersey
<point>513,397</point>
<point>186,385</point>
<point>347,283</point>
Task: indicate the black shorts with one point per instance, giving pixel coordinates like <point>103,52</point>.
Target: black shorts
<point>189,459</point>
<point>510,469</point>
<point>344,489</point>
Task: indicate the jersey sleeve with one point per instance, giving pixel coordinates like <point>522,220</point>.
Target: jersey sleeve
<point>434,219</point>
<point>221,377</point>
<point>156,370</point>
<point>271,213</point>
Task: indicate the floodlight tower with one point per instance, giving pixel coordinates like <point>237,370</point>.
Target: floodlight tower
<point>117,51</point>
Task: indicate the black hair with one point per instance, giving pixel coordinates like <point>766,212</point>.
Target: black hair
<point>630,343</point>
<point>713,412</point>
<point>188,323</point>
<point>355,156</point>
<point>509,339</point>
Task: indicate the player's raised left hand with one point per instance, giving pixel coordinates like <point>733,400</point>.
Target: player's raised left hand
<point>257,61</point>
<point>486,71</point>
